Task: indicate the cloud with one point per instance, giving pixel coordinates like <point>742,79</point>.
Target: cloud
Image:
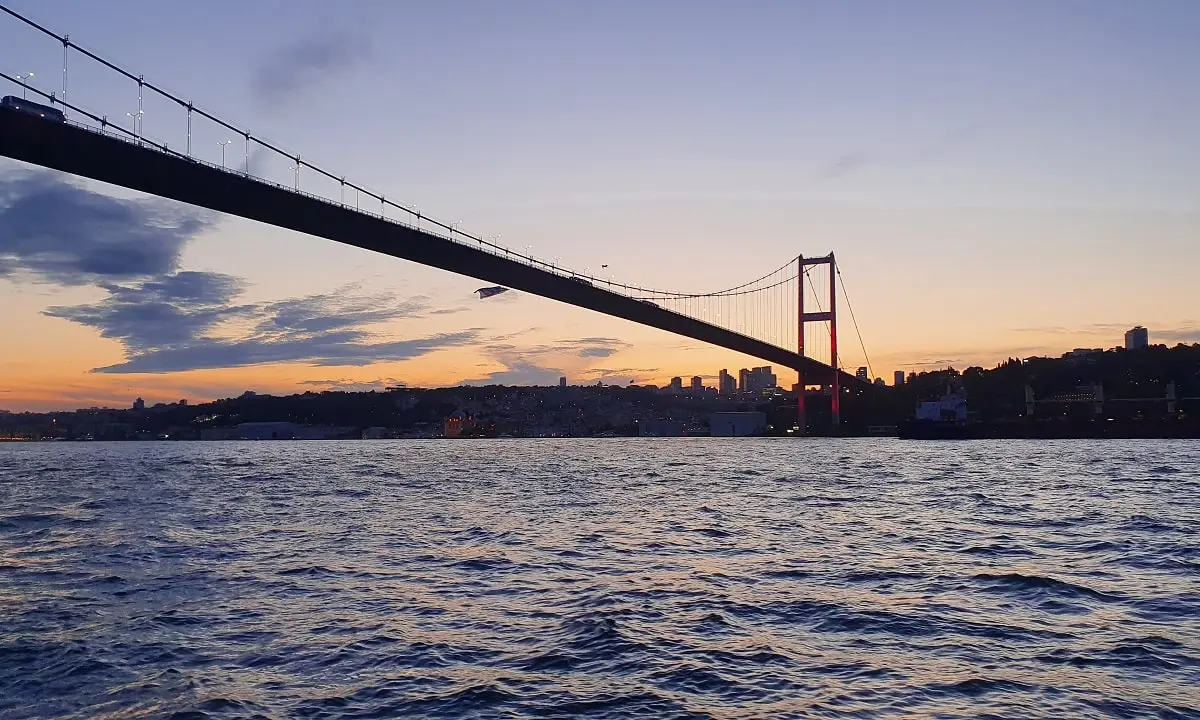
<point>350,385</point>
<point>164,312</point>
<point>932,364</point>
<point>843,165</point>
<point>593,347</point>
<point>56,230</point>
<point>520,372</point>
<point>620,376</point>
<point>190,321</point>
<point>288,72</point>
<point>542,364</point>
<point>1113,334</point>
<point>340,310</point>
<point>1093,329</point>
<point>1186,335</point>
<point>944,145</point>
<point>619,371</point>
<point>330,350</point>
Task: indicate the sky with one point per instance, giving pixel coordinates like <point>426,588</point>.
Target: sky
<point>1000,178</point>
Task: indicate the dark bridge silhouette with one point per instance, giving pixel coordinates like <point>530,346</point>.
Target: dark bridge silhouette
<point>148,168</point>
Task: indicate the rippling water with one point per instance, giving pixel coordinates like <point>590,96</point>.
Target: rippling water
<point>622,578</point>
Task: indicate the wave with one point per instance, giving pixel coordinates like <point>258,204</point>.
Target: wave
<point>725,580</point>
<point>1024,585</point>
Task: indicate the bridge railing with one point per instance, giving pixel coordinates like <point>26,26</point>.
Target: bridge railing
<point>115,132</point>
<point>101,126</point>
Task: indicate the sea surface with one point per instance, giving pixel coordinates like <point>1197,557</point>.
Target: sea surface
<point>622,578</point>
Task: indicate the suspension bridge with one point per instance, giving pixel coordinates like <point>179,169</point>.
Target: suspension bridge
<point>786,317</point>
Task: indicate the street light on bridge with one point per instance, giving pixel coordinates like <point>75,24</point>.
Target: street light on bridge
<point>137,122</point>
<point>223,144</point>
<point>24,82</point>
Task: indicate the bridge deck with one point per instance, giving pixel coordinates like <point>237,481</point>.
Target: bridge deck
<point>84,152</point>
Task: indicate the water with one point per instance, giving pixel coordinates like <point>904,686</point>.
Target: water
<point>699,578</point>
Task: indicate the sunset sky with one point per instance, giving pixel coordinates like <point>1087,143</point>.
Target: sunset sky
<point>997,178</point>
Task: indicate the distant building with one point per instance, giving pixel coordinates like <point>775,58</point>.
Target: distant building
<point>737,424</point>
<point>758,379</point>
<point>219,433</point>
<point>726,385</point>
<point>139,404</point>
<point>458,423</point>
<point>562,382</point>
<point>880,382</point>
<point>267,431</point>
<point>1137,338</point>
<point>1082,355</point>
<point>898,378</point>
<point>861,374</point>
<point>744,380</point>
<point>676,385</point>
<point>697,384</point>
<point>952,407</point>
<point>660,428</point>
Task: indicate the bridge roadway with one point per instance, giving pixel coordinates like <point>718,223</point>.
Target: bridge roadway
<point>84,152</point>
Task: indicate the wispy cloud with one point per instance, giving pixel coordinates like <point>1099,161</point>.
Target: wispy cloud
<point>329,349</point>
<point>350,385</point>
<point>192,321</point>
<point>1189,334</point>
<point>340,310</point>
<point>55,230</point>
<point>1112,334</point>
<point>520,372</point>
<point>619,376</point>
<point>542,364</point>
<point>291,71</point>
<point>843,165</point>
<point>166,312</point>
<point>941,146</point>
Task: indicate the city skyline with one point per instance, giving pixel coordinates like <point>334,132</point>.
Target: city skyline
<point>923,208</point>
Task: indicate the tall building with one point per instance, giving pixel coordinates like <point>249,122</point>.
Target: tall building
<point>139,404</point>
<point>898,378</point>
<point>562,382</point>
<point>758,379</point>
<point>726,385</point>
<point>697,384</point>
<point>861,374</point>
<point>744,380</point>
<point>1137,338</point>
<point>676,385</point>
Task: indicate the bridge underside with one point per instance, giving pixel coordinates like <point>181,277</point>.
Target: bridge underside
<point>81,152</point>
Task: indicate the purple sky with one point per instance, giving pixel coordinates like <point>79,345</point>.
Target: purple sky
<point>995,177</point>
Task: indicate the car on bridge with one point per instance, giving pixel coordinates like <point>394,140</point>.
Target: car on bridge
<point>585,281</point>
<point>22,105</point>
